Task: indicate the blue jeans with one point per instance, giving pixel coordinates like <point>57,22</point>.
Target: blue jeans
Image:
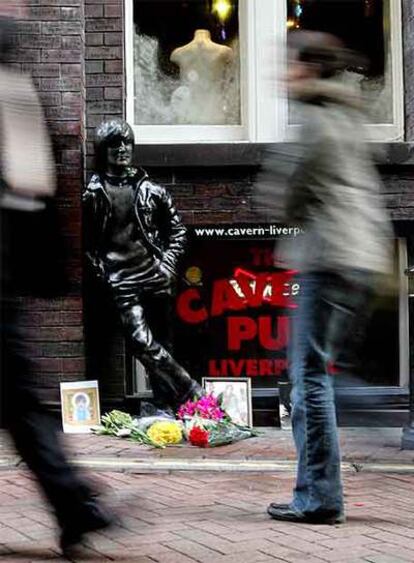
<point>322,328</point>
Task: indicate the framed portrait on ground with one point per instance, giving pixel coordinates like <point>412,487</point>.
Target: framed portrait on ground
<point>80,406</point>
<point>237,396</point>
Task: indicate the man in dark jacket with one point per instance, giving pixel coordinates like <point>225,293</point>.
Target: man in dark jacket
<point>27,268</point>
<point>134,239</point>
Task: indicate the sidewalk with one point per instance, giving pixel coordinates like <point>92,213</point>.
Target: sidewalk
<point>272,450</point>
<point>215,518</point>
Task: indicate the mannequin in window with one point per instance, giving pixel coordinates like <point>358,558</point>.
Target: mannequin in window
<point>204,67</point>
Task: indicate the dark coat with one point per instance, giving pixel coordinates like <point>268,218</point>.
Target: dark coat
<point>157,219</point>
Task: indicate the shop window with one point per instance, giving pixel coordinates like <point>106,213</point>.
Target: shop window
<point>186,63</point>
<point>233,314</point>
<point>209,70</point>
<point>367,27</point>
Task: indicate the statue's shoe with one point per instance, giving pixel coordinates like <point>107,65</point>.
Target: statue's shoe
<point>194,392</point>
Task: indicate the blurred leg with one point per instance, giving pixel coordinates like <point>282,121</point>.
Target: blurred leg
<point>34,431</point>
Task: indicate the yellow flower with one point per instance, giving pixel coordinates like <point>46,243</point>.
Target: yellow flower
<point>165,433</point>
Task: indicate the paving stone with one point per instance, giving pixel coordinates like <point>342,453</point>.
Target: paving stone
<point>201,520</point>
<point>384,559</point>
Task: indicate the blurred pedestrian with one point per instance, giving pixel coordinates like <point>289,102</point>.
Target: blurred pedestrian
<point>334,195</point>
<point>27,182</point>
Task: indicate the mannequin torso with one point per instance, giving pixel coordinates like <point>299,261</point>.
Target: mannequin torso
<point>203,65</point>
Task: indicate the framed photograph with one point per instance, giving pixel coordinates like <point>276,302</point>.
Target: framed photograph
<point>80,406</point>
<point>237,396</point>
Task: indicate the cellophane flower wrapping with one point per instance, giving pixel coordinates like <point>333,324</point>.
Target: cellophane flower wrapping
<point>203,422</point>
<point>207,415</point>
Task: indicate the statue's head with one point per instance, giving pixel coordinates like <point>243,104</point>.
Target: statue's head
<point>114,146</point>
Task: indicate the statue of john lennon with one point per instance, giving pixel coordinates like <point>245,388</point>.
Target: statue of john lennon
<point>134,239</point>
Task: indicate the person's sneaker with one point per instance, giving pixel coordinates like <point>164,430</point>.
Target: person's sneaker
<point>94,517</point>
<point>285,513</point>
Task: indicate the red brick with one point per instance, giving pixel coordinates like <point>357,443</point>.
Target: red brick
<point>94,80</point>
<point>113,38</point>
<point>69,83</point>
<point>94,11</point>
<point>72,157</point>
<point>50,98</point>
<point>113,93</point>
<point>105,107</point>
<point>103,24</point>
<point>62,28</point>
<point>72,42</point>
<point>26,55</point>
<point>94,39</point>
<point>95,94</point>
<point>41,69</point>
<point>103,53</point>
<point>94,67</point>
<point>113,10</point>
<point>38,41</point>
<point>29,27</point>
<point>46,14</point>
<point>113,66</point>
<point>70,13</point>
<point>62,55</point>
<point>73,69</point>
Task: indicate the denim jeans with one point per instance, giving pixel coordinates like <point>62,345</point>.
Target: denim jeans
<point>322,328</point>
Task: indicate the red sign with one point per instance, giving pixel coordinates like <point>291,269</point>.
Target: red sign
<point>237,325</point>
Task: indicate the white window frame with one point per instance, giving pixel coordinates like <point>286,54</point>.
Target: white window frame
<point>264,111</point>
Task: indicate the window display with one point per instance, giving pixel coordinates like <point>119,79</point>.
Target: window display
<point>200,71</point>
<point>186,62</point>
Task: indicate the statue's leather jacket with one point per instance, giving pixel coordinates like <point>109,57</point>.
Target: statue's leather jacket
<point>157,219</point>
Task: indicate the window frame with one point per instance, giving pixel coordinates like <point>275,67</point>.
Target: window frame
<point>264,108</point>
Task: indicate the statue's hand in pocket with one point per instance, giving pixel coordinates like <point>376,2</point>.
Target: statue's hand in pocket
<point>167,273</point>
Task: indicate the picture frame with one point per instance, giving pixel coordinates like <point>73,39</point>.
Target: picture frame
<point>237,396</point>
<point>80,406</point>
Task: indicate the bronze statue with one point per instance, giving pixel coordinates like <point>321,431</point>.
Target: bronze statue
<point>134,239</point>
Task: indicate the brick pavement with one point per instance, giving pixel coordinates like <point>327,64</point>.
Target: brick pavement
<point>215,518</point>
<point>359,445</point>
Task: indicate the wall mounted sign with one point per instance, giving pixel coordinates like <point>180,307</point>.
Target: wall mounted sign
<point>234,308</point>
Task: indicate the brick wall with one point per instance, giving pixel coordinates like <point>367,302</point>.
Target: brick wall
<point>104,65</point>
<point>202,194</point>
<point>104,38</point>
<point>51,48</point>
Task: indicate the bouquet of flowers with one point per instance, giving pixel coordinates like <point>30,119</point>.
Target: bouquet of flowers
<point>207,424</point>
<point>157,433</point>
<point>203,422</point>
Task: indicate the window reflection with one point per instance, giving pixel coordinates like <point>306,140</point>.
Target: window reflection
<point>364,26</point>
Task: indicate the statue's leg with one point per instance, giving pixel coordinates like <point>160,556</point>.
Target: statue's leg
<point>170,382</point>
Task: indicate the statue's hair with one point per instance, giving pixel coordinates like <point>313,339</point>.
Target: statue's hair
<point>108,132</point>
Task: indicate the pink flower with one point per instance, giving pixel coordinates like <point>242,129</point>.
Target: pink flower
<point>205,407</point>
